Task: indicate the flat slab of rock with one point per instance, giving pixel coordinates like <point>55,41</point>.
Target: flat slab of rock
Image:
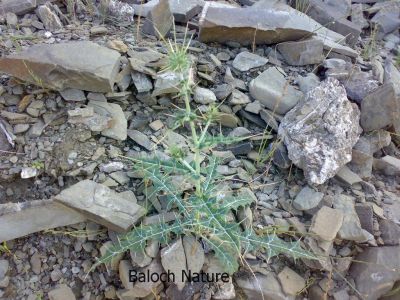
<point>102,205</point>
<point>321,130</point>
<point>79,65</point>
<point>23,219</point>
<point>245,61</point>
<point>330,17</point>
<point>258,24</point>
<point>272,90</point>
<point>18,7</point>
<point>377,271</point>
<point>183,10</point>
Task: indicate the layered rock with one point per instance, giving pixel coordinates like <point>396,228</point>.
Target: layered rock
<point>80,65</point>
<point>321,130</point>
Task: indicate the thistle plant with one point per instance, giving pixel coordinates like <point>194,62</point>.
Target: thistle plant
<point>204,211</point>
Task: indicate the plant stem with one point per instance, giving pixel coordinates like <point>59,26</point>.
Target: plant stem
<point>196,143</point>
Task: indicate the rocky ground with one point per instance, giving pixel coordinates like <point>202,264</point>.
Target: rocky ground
<point>312,85</point>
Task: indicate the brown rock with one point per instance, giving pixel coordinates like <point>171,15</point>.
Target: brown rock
<point>327,223</point>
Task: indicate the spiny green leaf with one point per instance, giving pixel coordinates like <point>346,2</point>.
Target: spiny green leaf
<point>235,201</point>
<point>226,254</point>
<point>273,245</point>
<point>136,239</point>
<point>162,183</point>
<point>212,141</point>
<point>169,166</point>
<point>212,174</point>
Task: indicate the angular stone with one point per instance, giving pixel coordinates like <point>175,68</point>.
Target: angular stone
<point>124,267</point>
<point>194,253</point>
<point>167,83</point>
<point>387,165</point>
<point>320,131</point>
<point>390,232</point>
<point>245,61</point>
<point>63,292</point>
<point>65,65</point>
<point>203,95</point>
<point>117,128</point>
<point>308,82</point>
<point>142,82</point>
<point>351,227</point>
<point>258,25</point>
<point>366,216</point>
<point>143,289</point>
<point>272,90</point>
<point>73,95</point>
<point>381,108</point>
<point>375,271</point>
<point>357,16</point>
<point>173,259</point>
<point>141,139</point>
<point>18,7</point>
<point>182,11</point>
<point>347,176</point>
<point>102,205</point>
<point>262,286</point>
<point>23,219</point>
<point>326,223</point>
<point>387,18</point>
<point>307,199</point>
<point>302,53</point>
<point>159,19</point>
<point>329,17</point>
<point>291,282</point>
<point>359,85</point>
<point>361,163</point>
<point>238,98</point>
<point>49,19</point>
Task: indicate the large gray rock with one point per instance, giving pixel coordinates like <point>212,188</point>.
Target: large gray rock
<point>302,53</point>
<point>321,130</point>
<point>17,220</point>
<point>376,270</point>
<point>18,7</point>
<point>183,11</point>
<point>258,24</point>
<point>272,90</point>
<point>381,108</point>
<point>80,65</point>
<point>102,205</point>
<point>330,17</point>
